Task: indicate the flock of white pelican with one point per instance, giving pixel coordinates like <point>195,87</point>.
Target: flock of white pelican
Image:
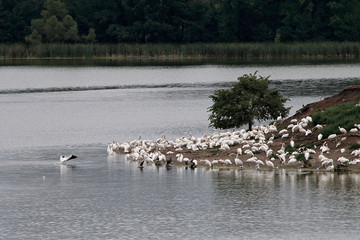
<point>262,147</point>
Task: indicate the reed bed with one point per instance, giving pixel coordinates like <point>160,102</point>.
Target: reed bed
<point>180,51</point>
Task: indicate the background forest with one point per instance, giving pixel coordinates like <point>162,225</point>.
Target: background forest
<point>178,21</point>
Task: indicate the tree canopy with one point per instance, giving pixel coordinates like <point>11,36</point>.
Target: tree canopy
<point>247,100</point>
<point>182,20</point>
<point>56,25</point>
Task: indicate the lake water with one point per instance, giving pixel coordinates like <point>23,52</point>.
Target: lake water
<point>53,109</point>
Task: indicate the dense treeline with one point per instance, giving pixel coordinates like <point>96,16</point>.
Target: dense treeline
<point>179,21</point>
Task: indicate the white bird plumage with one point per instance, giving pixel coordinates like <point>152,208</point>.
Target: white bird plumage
<point>65,158</point>
<point>342,130</point>
<point>269,163</point>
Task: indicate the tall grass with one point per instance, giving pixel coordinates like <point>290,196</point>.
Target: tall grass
<point>191,50</point>
<point>344,115</point>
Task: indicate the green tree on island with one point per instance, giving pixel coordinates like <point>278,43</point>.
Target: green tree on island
<point>247,100</point>
<point>56,26</point>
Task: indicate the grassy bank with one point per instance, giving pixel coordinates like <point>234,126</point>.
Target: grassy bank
<point>344,115</point>
<point>319,50</point>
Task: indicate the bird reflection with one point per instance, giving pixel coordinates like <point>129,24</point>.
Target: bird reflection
<point>65,170</point>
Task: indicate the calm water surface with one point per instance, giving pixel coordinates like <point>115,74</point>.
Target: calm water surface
<point>50,110</point>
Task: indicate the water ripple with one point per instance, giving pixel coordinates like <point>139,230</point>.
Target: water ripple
<point>289,87</point>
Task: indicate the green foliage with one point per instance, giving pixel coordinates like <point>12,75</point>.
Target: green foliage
<point>15,17</point>
<point>290,149</point>
<point>214,152</point>
<point>54,8</point>
<point>184,21</point>
<point>55,26</point>
<point>247,100</point>
<point>344,115</point>
<point>345,19</point>
<point>354,146</point>
<point>90,37</point>
<point>300,157</point>
<point>311,145</point>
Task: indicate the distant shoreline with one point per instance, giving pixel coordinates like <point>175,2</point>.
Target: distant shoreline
<point>190,51</point>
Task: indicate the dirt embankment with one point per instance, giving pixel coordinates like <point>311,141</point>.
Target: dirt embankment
<point>347,95</point>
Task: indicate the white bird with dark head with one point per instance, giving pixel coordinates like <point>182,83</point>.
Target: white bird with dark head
<point>65,158</point>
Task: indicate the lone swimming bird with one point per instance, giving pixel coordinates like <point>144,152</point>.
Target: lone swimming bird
<point>65,158</point>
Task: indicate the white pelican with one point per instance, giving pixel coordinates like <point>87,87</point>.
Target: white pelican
<point>332,136</point>
<point>239,150</point>
<point>292,143</point>
<point>330,168</point>
<point>309,119</point>
<point>324,148</point>
<point>213,162</point>
<point>110,150</point>
<point>282,157</point>
<point>343,159</point>
<point>207,162</point>
<point>224,147</point>
<point>342,130</point>
<point>228,162</point>
<point>269,152</point>
<point>292,160</point>
<point>282,132</point>
<point>252,160</point>
<point>238,161</point>
<point>180,157</point>
<point>320,136</point>
<point>285,135</point>
<point>258,162</point>
<point>269,163</point>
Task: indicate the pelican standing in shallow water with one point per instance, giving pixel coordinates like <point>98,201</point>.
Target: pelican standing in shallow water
<point>65,158</point>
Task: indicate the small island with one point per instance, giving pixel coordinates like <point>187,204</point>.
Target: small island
<point>302,141</point>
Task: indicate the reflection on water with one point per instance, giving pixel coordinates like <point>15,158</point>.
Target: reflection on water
<point>296,205</point>
<point>100,197</point>
<point>66,171</point>
<point>313,87</point>
<point>298,87</point>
